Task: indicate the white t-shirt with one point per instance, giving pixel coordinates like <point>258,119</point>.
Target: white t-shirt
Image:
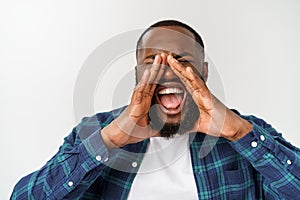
<point>166,171</point>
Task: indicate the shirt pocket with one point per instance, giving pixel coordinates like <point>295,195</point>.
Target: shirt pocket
<point>239,180</point>
<point>235,184</point>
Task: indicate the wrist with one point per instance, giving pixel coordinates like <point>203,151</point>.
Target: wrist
<point>242,130</point>
<point>111,136</point>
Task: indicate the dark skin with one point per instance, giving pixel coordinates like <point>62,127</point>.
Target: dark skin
<point>173,54</point>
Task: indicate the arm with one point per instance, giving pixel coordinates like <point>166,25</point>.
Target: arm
<point>79,161</point>
<point>91,146</point>
<point>277,160</point>
<point>273,157</point>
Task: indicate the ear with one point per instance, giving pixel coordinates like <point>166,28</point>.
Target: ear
<point>205,71</point>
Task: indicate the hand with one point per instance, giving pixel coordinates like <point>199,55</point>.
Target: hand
<point>215,118</point>
<point>133,124</point>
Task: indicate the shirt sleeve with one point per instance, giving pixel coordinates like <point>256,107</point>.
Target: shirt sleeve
<point>77,164</point>
<point>270,154</point>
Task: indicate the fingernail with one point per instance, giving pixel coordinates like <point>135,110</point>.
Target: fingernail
<point>190,69</point>
<point>174,60</point>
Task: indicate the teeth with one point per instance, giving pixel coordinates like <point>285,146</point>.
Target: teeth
<point>170,91</point>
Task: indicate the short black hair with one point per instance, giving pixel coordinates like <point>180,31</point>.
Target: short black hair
<point>163,23</point>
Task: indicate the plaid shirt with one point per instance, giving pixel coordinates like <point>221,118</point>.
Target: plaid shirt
<point>261,165</point>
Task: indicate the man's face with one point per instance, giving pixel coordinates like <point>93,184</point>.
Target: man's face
<point>172,106</point>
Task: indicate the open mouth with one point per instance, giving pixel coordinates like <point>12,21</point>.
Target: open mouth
<point>171,96</point>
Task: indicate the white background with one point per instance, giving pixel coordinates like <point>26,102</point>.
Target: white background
<point>255,46</point>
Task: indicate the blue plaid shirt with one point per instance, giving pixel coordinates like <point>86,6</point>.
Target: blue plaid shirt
<point>261,165</point>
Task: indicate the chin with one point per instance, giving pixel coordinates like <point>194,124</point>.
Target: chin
<point>169,125</point>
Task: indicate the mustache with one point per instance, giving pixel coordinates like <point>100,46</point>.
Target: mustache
<point>164,80</point>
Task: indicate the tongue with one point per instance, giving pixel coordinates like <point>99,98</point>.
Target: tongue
<point>171,101</point>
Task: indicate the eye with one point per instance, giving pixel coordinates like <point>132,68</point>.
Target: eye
<point>183,61</point>
<point>149,60</point>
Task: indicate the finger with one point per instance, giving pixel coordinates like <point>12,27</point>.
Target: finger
<point>196,82</point>
<point>159,73</point>
<point>179,70</point>
<point>186,72</point>
<point>195,86</point>
<point>175,64</point>
<point>187,75</point>
<point>155,68</point>
<point>137,96</point>
<point>162,67</point>
<point>144,78</point>
<point>186,82</point>
<point>155,71</point>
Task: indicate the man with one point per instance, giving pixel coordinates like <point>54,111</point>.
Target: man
<point>228,156</point>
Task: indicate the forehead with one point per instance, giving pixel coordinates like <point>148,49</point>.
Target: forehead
<point>171,39</point>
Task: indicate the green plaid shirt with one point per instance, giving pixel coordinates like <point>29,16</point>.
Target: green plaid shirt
<point>261,165</point>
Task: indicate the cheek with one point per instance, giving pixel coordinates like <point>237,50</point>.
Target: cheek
<point>138,75</point>
<point>197,69</point>
<point>140,70</point>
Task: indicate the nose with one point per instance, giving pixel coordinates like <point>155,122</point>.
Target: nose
<point>169,74</point>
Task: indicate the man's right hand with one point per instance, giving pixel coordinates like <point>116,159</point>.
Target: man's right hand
<point>132,125</point>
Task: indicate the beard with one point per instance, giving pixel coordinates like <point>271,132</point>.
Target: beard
<point>189,115</point>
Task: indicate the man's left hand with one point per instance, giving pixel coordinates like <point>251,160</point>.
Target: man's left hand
<point>215,118</point>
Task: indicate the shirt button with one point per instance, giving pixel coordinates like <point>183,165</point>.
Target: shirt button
<point>134,164</point>
<point>105,160</point>
<point>98,158</point>
<point>254,144</point>
<point>262,138</point>
<point>70,183</point>
<point>289,162</point>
